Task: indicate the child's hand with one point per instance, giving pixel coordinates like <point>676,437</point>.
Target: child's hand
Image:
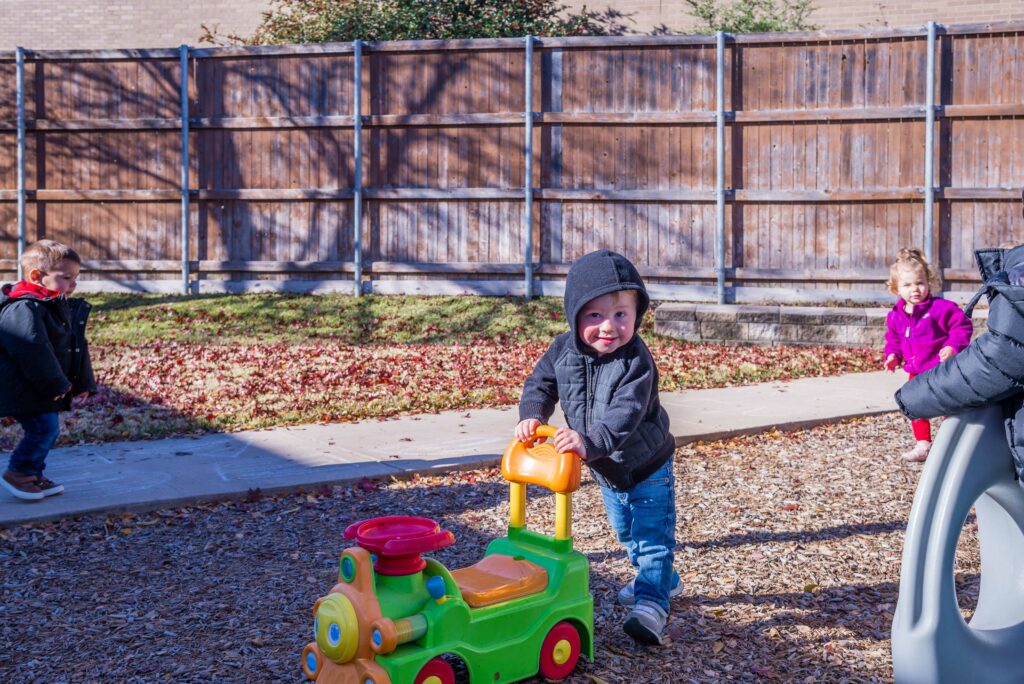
<point>81,396</point>
<point>891,363</point>
<point>527,429</point>
<point>946,353</point>
<point>570,440</point>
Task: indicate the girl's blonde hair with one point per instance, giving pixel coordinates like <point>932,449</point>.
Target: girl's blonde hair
<point>911,258</point>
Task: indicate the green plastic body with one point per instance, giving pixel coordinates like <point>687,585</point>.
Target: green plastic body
<point>498,643</point>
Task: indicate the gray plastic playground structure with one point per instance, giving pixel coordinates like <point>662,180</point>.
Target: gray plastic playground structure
<point>969,465</point>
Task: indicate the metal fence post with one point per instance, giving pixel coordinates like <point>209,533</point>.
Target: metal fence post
<point>528,170</point>
<point>720,165</point>
<point>357,151</point>
<point>929,153</point>
<point>183,55</point>
<point>20,84</point>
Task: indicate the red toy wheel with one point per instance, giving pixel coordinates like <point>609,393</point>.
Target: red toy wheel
<point>436,671</point>
<point>398,541</point>
<point>560,651</point>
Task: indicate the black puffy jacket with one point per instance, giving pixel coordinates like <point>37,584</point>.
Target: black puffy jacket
<point>43,352</point>
<point>991,369</point>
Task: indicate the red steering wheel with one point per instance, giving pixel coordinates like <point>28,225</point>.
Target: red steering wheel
<point>398,540</point>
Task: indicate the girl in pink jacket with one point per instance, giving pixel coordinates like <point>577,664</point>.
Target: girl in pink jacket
<point>921,331</point>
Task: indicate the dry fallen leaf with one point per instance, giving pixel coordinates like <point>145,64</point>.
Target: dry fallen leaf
<point>596,679</point>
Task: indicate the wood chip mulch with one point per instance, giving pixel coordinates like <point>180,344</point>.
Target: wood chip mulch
<point>789,546</point>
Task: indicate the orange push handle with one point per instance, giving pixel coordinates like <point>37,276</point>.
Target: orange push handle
<point>542,431</point>
<point>541,464</point>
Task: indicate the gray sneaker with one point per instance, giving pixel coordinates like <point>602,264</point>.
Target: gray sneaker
<point>627,597</point>
<point>646,623</point>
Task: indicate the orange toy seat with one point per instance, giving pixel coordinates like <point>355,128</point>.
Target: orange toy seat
<point>498,578</point>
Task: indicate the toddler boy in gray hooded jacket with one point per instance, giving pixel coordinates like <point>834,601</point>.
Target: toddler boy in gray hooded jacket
<point>605,379</point>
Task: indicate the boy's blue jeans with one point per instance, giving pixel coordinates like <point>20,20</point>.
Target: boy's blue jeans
<point>644,520</point>
<point>28,458</point>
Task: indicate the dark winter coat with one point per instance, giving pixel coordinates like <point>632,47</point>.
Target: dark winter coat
<point>991,369</point>
<point>611,400</point>
<point>43,351</point>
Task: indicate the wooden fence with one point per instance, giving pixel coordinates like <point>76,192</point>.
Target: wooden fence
<point>823,152</point>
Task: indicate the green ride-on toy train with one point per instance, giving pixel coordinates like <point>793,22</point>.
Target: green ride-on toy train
<point>524,609</point>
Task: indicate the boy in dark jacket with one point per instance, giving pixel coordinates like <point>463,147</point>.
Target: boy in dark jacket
<point>44,360</point>
<point>605,379</point>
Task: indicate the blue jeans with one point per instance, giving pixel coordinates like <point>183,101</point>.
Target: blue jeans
<point>644,520</point>
<point>28,458</point>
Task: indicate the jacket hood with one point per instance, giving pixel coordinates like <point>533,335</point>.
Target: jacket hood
<point>599,273</point>
<point>995,260</point>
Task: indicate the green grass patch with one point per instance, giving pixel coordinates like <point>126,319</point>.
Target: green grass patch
<point>273,318</point>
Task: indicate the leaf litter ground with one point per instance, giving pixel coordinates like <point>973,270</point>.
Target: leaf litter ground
<point>789,546</point>
<point>165,388</point>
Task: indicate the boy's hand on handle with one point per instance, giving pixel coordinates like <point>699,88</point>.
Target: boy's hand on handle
<point>892,363</point>
<point>946,353</point>
<point>570,440</point>
<point>527,429</point>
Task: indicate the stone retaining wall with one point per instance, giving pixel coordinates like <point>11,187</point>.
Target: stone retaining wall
<point>772,325</point>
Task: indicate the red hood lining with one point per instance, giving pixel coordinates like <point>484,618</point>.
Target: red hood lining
<point>24,287</point>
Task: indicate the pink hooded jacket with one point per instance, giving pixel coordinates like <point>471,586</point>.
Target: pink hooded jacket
<point>917,337</point>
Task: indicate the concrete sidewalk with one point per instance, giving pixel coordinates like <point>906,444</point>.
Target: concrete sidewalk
<point>162,473</point>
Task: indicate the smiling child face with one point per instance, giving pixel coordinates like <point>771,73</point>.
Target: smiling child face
<point>608,322</point>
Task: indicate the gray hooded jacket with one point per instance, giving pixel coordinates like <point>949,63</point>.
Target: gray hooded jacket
<point>611,400</point>
<point>991,369</point>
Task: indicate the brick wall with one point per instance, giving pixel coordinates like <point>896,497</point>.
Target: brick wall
<point>781,325</point>
<point>93,24</point>
<point>645,16</point>
<point>158,23</point>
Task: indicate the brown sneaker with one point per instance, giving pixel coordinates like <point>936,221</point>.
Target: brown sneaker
<point>48,486</point>
<point>22,486</point>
